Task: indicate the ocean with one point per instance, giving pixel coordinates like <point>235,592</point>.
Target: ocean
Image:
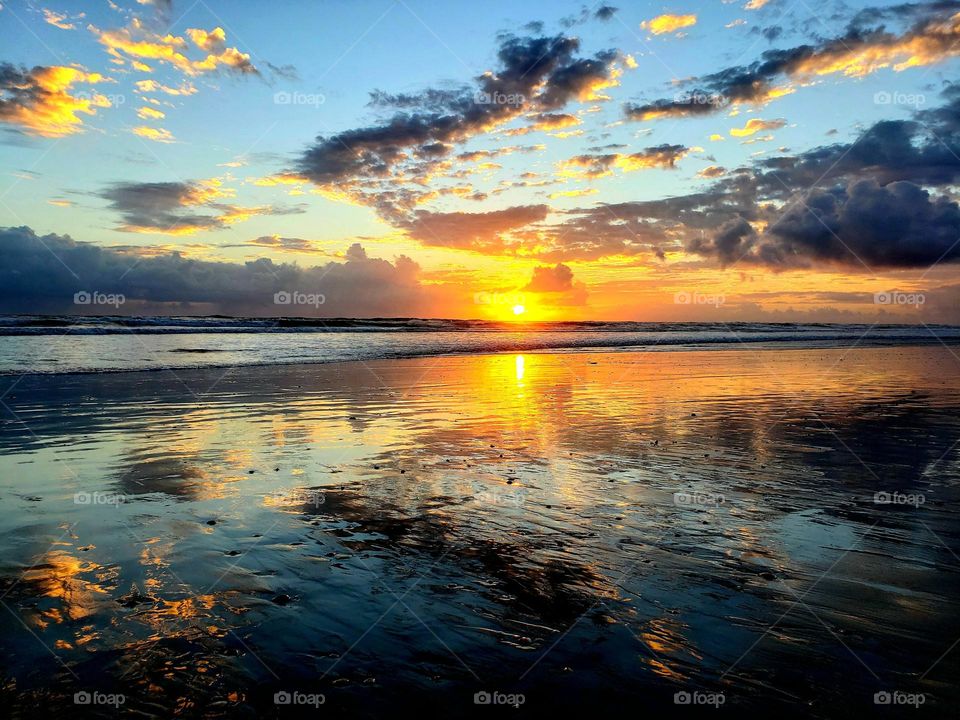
<point>63,344</point>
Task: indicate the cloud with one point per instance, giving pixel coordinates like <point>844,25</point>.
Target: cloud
<point>755,4</point>
<point>149,113</point>
<point>136,43</point>
<point>150,86</point>
<point>574,193</point>
<point>894,226</point>
<point>668,23</point>
<point>486,232</point>
<point>41,275</point>
<point>179,208</point>
<point>712,171</point>
<point>869,203</point>
<point>554,121</point>
<point>39,101</point>
<point>755,125</point>
<point>605,12</point>
<point>155,134</point>
<point>534,74</point>
<point>601,165</point>
<point>933,37</point>
<point>283,244</point>
<point>60,20</point>
<point>559,283</point>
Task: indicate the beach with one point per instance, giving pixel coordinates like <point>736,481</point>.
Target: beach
<point>739,529</point>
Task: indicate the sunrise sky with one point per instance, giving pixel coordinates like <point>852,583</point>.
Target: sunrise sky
<point>714,160</point>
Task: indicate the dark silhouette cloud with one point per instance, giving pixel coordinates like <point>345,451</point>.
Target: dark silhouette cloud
<point>40,274</point>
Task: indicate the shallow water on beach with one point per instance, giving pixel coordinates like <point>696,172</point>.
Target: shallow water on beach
<point>596,530</point>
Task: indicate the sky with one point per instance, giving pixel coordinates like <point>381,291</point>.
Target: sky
<point>721,160</point>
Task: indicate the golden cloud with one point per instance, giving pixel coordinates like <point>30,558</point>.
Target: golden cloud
<point>137,43</point>
<point>149,113</point>
<point>936,41</point>
<point>59,20</point>
<point>573,193</point>
<point>668,23</point>
<point>148,86</point>
<point>595,166</point>
<point>40,100</point>
<point>554,121</point>
<point>755,125</point>
<point>156,134</point>
<point>712,171</point>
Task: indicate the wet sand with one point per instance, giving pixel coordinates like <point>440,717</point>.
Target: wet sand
<point>596,531</point>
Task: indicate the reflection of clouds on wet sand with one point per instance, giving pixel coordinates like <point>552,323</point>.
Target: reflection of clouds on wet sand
<point>637,520</point>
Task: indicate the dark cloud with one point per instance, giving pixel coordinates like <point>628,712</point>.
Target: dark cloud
<point>40,274</point>
<point>284,72</point>
<point>881,201</point>
<point>870,17</point>
<point>179,207</point>
<point>605,12</point>
<point>534,74</point>
<point>925,150</point>
<point>283,244</point>
<point>770,33</point>
<point>896,225</point>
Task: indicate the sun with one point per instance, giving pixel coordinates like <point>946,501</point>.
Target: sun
<point>519,309</point>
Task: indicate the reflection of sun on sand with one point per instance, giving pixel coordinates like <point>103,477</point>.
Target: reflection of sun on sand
<point>542,485</point>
